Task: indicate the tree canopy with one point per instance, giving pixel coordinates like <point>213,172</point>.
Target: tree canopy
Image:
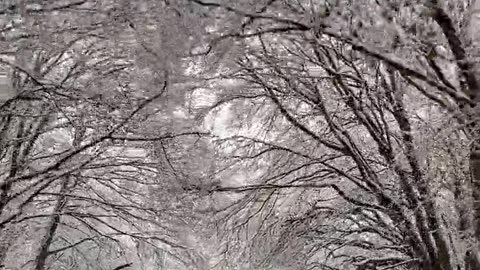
<point>272,134</point>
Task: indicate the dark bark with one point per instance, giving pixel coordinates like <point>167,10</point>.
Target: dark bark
<point>123,266</point>
<point>47,240</point>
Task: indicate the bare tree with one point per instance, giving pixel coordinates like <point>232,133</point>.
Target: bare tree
<point>352,100</point>
<point>92,82</point>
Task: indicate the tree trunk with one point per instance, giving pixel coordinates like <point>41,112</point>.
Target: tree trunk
<point>52,227</point>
